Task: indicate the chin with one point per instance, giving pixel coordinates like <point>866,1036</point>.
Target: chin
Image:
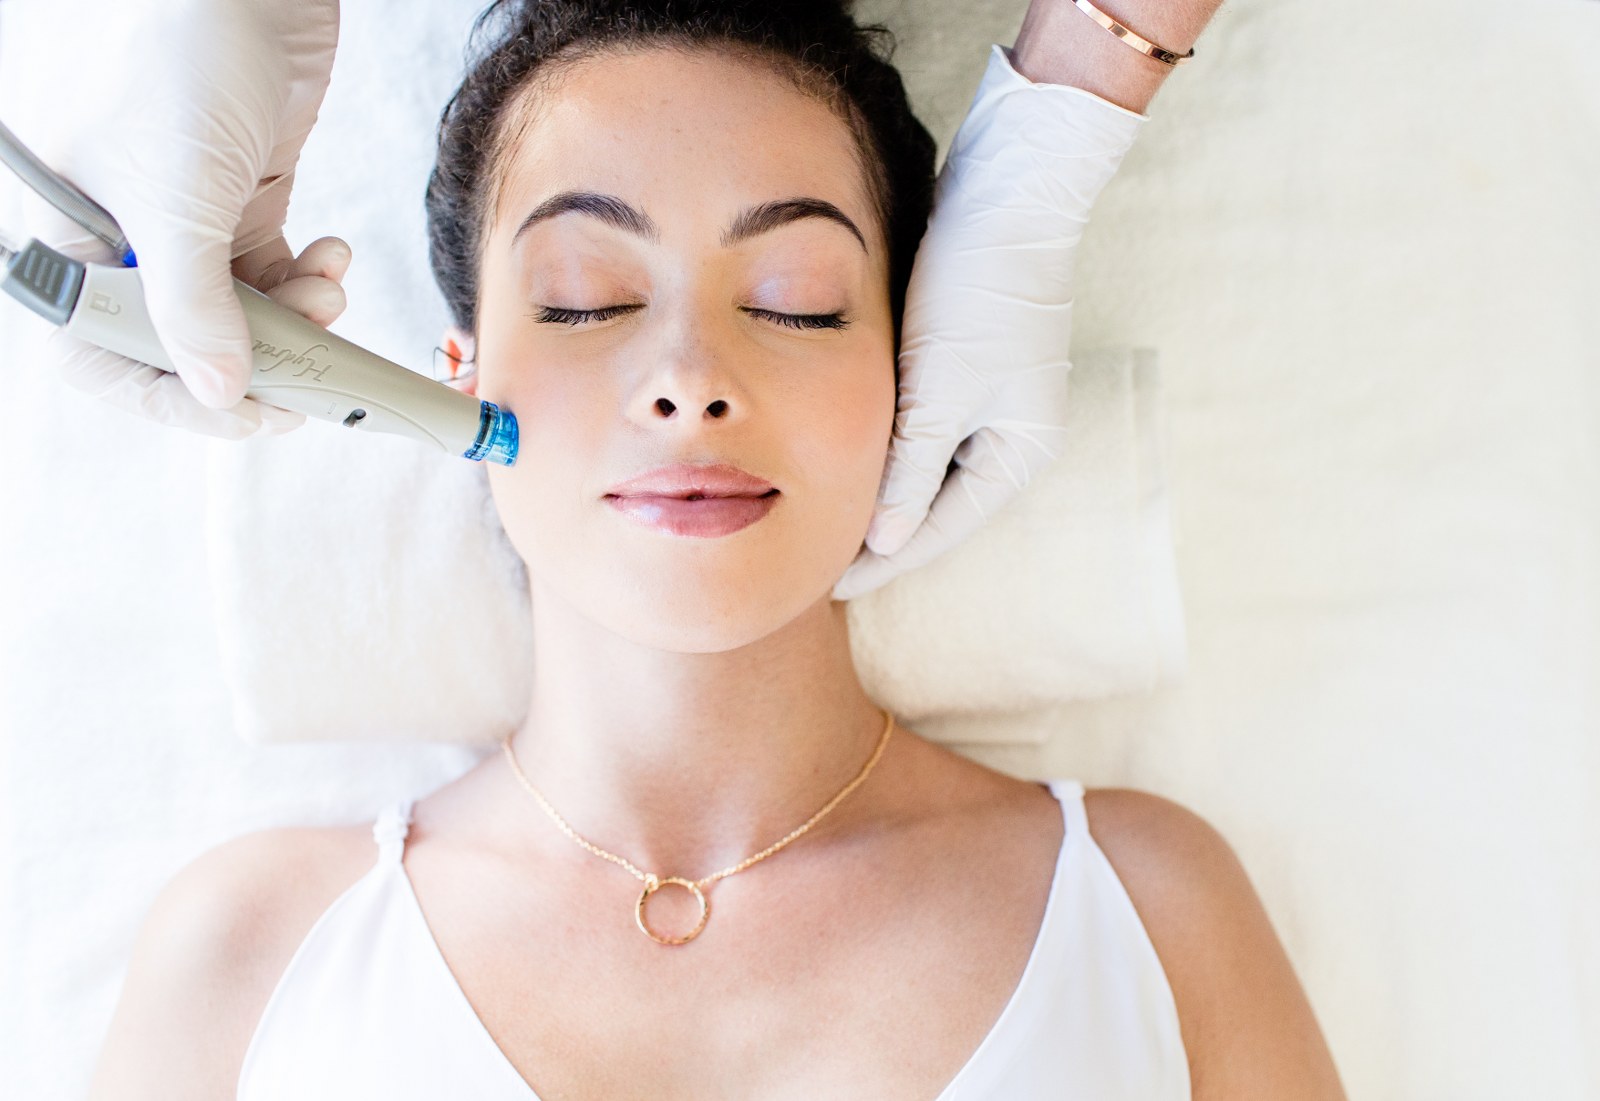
<point>707,607</point>
<point>708,617</point>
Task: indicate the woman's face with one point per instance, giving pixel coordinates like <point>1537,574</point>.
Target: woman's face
<point>697,356</point>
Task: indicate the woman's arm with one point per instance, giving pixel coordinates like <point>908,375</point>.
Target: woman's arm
<point>1060,44</point>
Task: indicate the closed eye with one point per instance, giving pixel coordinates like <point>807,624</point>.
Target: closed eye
<point>800,320</point>
<point>560,316</point>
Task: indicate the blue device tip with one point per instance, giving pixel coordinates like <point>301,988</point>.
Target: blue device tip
<point>497,436</point>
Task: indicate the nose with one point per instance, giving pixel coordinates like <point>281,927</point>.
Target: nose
<point>690,380</point>
<point>667,408</point>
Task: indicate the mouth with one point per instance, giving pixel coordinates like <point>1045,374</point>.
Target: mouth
<point>695,515</point>
<point>684,480</point>
<point>694,500</point>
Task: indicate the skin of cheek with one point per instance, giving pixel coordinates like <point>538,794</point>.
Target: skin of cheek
<point>814,417</point>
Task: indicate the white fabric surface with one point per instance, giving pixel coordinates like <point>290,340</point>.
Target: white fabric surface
<point>1369,271</point>
<point>368,1006</point>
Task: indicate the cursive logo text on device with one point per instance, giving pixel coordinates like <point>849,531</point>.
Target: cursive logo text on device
<point>288,357</point>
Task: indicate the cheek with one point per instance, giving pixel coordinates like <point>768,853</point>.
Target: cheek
<point>845,437</point>
<point>565,427</point>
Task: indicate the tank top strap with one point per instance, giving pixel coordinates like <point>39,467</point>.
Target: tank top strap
<point>1069,793</point>
<point>390,830</point>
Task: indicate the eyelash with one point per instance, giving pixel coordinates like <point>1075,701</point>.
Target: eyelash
<point>558,315</point>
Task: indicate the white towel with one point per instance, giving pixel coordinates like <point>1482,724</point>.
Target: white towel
<point>363,588</point>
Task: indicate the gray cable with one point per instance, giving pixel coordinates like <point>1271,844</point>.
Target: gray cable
<point>59,193</point>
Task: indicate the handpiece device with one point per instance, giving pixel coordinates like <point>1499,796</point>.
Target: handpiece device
<point>297,364</point>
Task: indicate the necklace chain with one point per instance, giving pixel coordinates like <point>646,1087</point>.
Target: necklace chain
<point>653,881</point>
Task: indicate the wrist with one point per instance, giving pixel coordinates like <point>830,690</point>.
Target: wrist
<point>1058,44</point>
<point>1172,26</point>
<point>1061,44</point>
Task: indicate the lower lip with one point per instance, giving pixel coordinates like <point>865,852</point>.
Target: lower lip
<point>706,518</point>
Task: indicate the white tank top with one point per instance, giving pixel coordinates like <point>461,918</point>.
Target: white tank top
<point>368,1008</point>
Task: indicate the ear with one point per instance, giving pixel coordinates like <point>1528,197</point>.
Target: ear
<point>458,363</point>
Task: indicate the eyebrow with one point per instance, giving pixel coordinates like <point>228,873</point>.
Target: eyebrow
<point>751,222</point>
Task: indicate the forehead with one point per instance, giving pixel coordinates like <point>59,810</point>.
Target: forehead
<point>679,132</point>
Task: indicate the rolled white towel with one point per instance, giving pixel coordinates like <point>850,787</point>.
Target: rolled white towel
<point>363,588</point>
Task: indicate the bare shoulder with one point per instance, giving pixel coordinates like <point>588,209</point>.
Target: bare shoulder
<point>1164,853</point>
<point>1247,1025</point>
<point>209,952</point>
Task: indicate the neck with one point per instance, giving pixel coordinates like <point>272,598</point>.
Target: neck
<point>686,763</point>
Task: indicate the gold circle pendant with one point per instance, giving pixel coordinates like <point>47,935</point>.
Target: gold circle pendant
<point>652,885</point>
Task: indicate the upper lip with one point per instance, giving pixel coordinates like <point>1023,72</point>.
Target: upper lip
<point>712,480</point>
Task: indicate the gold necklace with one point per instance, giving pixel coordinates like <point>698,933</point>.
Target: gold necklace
<point>653,882</point>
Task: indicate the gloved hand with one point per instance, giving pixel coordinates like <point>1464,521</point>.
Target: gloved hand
<point>191,144</point>
<point>308,284</point>
<point>988,319</point>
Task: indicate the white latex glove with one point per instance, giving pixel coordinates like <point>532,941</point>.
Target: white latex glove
<point>988,318</point>
<point>190,140</point>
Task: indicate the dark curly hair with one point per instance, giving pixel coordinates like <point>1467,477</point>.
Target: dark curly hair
<point>816,43</point>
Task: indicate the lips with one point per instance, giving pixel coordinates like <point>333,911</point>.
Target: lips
<point>685,480</point>
<point>696,501</point>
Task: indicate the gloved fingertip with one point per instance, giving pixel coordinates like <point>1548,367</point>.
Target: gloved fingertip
<point>886,535</point>
<point>218,386</point>
<point>844,588</point>
<point>277,422</point>
<point>331,298</point>
<point>327,256</point>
